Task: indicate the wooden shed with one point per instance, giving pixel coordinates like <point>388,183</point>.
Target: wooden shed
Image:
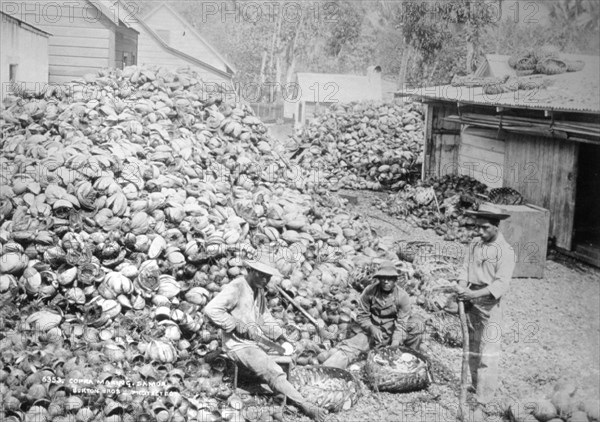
<point>23,56</point>
<point>86,36</point>
<point>167,39</point>
<point>543,142</point>
<point>311,92</point>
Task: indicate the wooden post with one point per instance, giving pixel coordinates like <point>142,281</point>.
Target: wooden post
<point>463,408</point>
<point>428,140</point>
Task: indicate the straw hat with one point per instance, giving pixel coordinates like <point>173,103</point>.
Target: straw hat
<point>263,262</point>
<point>387,271</point>
<point>480,217</point>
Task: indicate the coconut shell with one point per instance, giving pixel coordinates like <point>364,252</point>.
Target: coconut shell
<point>578,416</point>
<point>566,386</point>
<point>592,408</point>
<point>563,402</point>
<point>545,410</point>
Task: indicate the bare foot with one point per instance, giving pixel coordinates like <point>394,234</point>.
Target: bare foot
<point>315,412</point>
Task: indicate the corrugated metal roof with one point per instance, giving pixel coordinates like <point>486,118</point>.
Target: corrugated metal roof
<point>572,91</point>
<point>331,88</point>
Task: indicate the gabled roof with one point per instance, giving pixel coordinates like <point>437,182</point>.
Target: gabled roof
<point>570,92</point>
<point>113,10</point>
<point>331,88</point>
<point>7,18</point>
<point>181,54</point>
<point>189,28</point>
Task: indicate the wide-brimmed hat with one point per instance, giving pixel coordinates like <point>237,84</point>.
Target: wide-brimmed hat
<point>263,262</point>
<point>487,216</point>
<point>387,271</point>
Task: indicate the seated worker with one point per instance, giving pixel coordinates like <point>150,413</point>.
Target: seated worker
<point>240,310</point>
<point>384,314</point>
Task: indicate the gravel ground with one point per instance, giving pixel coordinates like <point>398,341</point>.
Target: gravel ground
<point>552,332</point>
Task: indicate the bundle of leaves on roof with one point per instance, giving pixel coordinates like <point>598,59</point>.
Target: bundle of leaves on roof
<point>546,60</point>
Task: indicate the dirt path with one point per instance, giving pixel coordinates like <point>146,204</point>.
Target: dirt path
<point>552,332</point>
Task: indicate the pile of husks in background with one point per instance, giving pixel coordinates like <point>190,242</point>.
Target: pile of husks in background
<point>438,204</point>
<point>126,203</point>
<point>364,146</point>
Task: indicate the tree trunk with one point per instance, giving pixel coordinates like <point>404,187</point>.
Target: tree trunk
<point>472,39</point>
<point>291,53</point>
<point>407,52</point>
<point>436,62</point>
<point>498,27</point>
<point>289,75</point>
<point>278,77</point>
<point>470,56</point>
<point>275,42</point>
<point>262,76</point>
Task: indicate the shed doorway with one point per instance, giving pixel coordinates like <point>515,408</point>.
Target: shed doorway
<point>587,205</point>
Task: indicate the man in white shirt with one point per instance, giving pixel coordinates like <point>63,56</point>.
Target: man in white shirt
<point>240,310</point>
<point>483,281</point>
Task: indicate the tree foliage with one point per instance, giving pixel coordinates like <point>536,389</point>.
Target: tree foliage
<point>436,39</point>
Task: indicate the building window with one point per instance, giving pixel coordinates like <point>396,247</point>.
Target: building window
<point>165,34</point>
<point>125,59</point>
<point>12,72</point>
<point>133,59</point>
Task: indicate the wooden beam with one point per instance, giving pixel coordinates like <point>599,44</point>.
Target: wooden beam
<point>427,146</point>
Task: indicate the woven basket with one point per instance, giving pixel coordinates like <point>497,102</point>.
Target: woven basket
<point>330,388</point>
<point>517,56</point>
<point>505,196</point>
<point>445,328</point>
<point>512,60</point>
<point>551,66</point>
<point>384,378</point>
<point>574,65</point>
<point>526,63</point>
<point>408,251</point>
<point>511,85</point>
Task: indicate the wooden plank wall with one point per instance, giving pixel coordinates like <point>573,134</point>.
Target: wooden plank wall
<point>481,155</point>
<point>80,37</point>
<point>28,50</point>
<point>441,142</point>
<point>544,171</point>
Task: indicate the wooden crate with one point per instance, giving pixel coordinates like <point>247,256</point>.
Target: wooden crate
<point>527,231</point>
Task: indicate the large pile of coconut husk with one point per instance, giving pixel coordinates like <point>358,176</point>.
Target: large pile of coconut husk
<point>364,146</point>
<point>126,202</point>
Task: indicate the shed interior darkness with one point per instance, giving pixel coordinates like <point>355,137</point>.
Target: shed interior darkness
<point>587,205</point>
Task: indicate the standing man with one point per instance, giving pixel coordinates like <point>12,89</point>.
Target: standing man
<point>384,314</point>
<point>240,310</point>
<point>483,280</point>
